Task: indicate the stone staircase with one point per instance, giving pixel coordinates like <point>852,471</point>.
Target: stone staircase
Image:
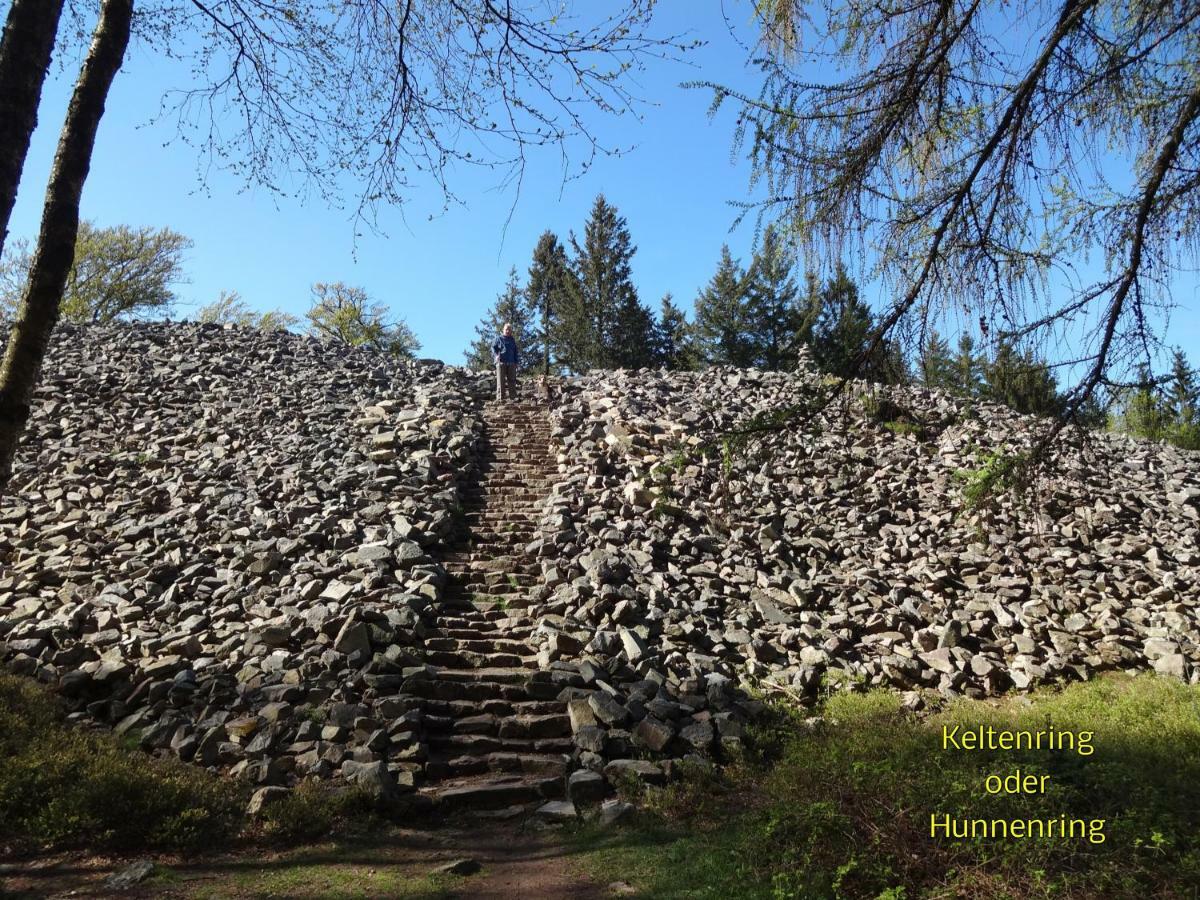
<point>497,737</point>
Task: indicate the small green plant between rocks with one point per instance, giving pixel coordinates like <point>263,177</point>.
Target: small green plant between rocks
<point>998,473</point>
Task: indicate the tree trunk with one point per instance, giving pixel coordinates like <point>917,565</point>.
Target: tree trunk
<point>55,251</point>
<point>24,58</point>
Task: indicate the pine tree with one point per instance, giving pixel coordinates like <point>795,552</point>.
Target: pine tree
<point>1184,392</point>
<point>842,327</point>
<point>839,327</point>
<point>1022,381</point>
<point>675,349</point>
<point>511,308</point>
<point>1144,412</point>
<point>937,364</point>
<point>601,305</point>
<point>968,369</point>
<point>634,335</point>
<point>773,314</point>
<point>547,292</point>
<point>1183,398</point>
<point>723,317</point>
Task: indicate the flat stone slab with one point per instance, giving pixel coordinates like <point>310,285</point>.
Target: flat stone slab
<point>556,811</point>
<point>641,769</point>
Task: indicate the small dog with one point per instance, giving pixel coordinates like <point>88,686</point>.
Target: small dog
<point>545,390</point>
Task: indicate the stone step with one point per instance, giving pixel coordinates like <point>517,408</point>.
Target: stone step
<point>549,765</point>
<point>501,493</point>
<point>475,634</point>
<point>466,577</point>
<point>502,675</point>
<point>482,723</point>
<point>521,579</point>
<point>440,689</point>
<point>465,795</point>
<point>462,659</point>
<point>479,645</point>
<point>520,727</point>
<point>553,725</point>
<point>474,558</point>
<point>500,623</point>
<point>455,709</point>
<point>483,744</point>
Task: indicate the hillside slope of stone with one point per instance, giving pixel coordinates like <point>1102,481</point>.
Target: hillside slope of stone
<point>283,559</point>
<point>224,541</point>
<point>844,549</point>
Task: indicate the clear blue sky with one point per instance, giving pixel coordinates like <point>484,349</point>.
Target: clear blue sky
<point>674,188</point>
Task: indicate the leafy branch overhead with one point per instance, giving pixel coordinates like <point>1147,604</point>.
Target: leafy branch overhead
<point>974,152</point>
<point>392,93</point>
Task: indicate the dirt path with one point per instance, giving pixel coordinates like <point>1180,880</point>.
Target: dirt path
<point>513,863</point>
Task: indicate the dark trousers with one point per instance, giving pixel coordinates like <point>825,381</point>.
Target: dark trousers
<point>506,381</point>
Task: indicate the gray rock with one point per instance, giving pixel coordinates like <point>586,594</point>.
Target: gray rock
<point>653,733</point>
<point>584,787</point>
<point>614,812</point>
<point>263,798</point>
<point>463,867</point>
<point>608,710</point>
<point>556,811</point>
<point>134,873</point>
<point>640,770</point>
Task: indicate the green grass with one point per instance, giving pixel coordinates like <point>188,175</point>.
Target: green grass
<point>903,428</point>
<point>339,872</point>
<point>844,811</point>
<point>315,809</point>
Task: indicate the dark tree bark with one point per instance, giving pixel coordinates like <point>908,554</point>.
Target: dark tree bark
<point>24,58</point>
<point>55,251</point>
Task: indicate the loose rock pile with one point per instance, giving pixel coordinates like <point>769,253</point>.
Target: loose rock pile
<point>285,559</point>
<point>841,551</point>
<point>221,539</point>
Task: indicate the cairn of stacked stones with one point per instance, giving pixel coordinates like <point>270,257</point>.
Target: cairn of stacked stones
<point>283,559</point>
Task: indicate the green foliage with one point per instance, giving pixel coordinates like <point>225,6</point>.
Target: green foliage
<point>230,309</point>
<point>723,326</point>
<point>775,319</point>
<point>510,308</point>
<point>843,329</point>
<point>314,809</point>
<point>546,294</point>
<point>998,473</point>
<point>968,369</point>
<point>119,273</point>
<point>1173,415</point>
<point>904,428</point>
<point>676,346</point>
<point>341,312</point>
<point>921,174</point>
<point>1022,381</point>
<point>603,324</point>
<point>937,367</point>
<point>843,810</point>
<point>60,786</point>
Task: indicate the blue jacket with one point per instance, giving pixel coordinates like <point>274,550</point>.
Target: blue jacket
<point>505,349</point>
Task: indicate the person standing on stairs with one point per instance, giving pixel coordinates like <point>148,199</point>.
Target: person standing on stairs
<point>507,357</point>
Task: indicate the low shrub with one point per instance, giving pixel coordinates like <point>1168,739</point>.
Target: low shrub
<point>315,809</point>
<point>61,786</point>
